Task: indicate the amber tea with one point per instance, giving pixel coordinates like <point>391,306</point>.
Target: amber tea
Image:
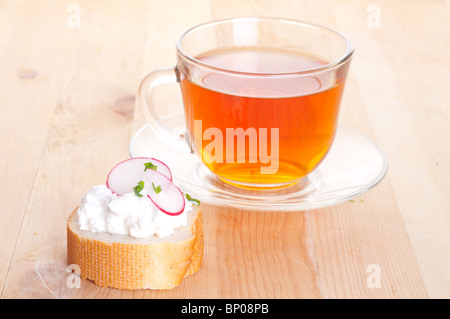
<point>261,98</point>
<point>258,127</point>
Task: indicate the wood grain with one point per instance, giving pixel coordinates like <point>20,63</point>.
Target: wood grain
<point>67,97</point>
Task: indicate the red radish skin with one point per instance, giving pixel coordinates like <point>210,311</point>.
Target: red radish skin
<point>165,211</point>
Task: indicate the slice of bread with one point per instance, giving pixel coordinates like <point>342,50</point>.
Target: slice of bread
<point>125,262</point>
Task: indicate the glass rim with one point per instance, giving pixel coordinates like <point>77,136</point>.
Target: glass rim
<point>337,62</point>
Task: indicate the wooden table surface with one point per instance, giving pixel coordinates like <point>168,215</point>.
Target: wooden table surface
<point>69,73</point>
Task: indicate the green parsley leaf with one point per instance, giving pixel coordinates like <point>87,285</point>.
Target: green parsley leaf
<point>138,188</point>
<point>156,189</point>
<point>193,200</point>
<point>150,165</point>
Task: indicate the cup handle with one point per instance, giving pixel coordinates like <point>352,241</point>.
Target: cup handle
<point>147,106</point>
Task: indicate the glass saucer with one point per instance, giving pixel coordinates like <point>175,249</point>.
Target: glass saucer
<point>353,166</point>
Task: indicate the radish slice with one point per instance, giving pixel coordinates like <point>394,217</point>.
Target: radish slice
<point>163,193</point>
<point>125,175</point>
<point>161,168</point>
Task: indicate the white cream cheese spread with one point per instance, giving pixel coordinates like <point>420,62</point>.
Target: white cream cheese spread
<point>103,211</point>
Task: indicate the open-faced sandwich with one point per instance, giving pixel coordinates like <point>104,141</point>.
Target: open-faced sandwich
<point>139,231</point>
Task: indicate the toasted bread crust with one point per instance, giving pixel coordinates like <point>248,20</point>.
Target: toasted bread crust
<point>128,265</point>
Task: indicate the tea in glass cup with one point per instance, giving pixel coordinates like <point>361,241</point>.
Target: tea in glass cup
<point>261,97</point>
